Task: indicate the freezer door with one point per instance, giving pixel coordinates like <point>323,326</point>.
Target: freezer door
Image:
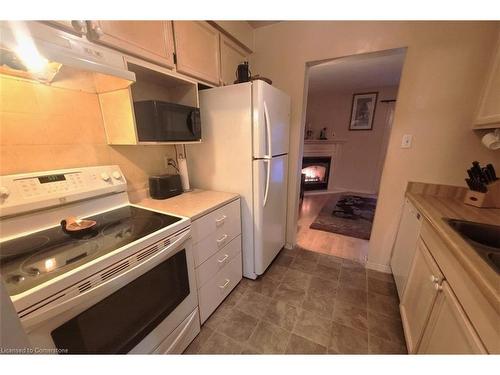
<point>269,203</point>
<point>271,120</point>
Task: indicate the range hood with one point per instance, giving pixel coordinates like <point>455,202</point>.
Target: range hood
<point>32,50</point>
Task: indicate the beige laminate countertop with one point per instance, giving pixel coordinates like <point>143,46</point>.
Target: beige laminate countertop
<point>193,204</point>
<point>434,209</point>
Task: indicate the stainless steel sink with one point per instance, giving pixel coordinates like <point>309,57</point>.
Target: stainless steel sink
<point>484,239</point>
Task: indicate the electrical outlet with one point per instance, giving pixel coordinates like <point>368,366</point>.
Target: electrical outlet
<point>406,142</point>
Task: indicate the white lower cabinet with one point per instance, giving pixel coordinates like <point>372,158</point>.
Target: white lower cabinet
<point>419,296</point>
<point>449,331</point>
<point>218,261</point>
<point>216,289</point>
<point>434,321</point>
<point>217,254</point>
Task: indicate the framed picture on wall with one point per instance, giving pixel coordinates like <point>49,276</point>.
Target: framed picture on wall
<point>363,111</point>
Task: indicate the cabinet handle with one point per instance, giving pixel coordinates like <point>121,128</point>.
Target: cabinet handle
<point>223,286</point>
<point>222,239</point>
<point>96,30</point>
<point>220,221</point>
<point>435,279</point>
<point>80,26</point>
<point>223,259</point>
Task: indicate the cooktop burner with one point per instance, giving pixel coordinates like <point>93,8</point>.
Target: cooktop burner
<point>31,260</point>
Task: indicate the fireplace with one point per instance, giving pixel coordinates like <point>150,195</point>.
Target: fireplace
<point>316,170</point>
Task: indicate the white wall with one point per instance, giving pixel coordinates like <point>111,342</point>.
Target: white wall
<point>444,70</point>
<point>358,166</point>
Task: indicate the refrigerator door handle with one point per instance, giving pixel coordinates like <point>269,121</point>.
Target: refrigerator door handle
<point>268,173</point>
<point>268,131</point>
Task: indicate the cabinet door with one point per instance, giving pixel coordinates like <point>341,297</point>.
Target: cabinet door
<point>197,50</point>
<point>449,331</point>
<point>231,55</point>
<point>151,40</point>
<point>419,295</point>
<point>489,107</point>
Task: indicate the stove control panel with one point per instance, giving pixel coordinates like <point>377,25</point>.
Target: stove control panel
<point>29,191</point>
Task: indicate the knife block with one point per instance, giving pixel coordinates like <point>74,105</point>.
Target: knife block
<point>490,199</point>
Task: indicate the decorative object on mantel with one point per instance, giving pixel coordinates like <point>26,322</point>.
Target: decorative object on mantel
<point>308,134</point>
<point>484,186</point>
<point>363,111</point>
<point>492,140</point>
<point>322,135</point>
<point>347,214</point>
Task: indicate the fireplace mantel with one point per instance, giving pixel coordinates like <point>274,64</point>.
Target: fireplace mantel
<point>323,141</point>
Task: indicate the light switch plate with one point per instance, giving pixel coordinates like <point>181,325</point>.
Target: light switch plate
<point>406,142</point>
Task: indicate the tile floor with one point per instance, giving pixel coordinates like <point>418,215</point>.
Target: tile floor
<point>307,303</point>
<point>325,242</point>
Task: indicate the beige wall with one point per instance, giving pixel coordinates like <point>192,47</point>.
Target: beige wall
<point>43,128</point>
<point>441,81</point>
<point>357,168</point>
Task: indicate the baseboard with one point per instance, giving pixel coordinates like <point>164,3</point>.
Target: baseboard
<point>288,246</point>
<point>378,267</point>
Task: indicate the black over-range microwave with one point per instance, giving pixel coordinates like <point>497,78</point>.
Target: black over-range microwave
<point>159,121</point>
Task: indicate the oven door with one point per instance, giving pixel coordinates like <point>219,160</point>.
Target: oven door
<point>135,311</point>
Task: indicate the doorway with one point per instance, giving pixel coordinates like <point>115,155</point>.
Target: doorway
<point>349,112</point>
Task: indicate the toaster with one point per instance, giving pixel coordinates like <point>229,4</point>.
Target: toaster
<point>165,186</point>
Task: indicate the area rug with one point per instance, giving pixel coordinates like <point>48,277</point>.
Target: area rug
<point>347,214</point>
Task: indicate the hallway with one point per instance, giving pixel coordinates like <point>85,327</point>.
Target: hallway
<point>325,242</point>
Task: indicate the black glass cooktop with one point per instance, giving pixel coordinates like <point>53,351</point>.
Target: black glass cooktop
<point>28,261</point>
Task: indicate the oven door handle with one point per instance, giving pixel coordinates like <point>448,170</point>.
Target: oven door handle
<point>114,283</point>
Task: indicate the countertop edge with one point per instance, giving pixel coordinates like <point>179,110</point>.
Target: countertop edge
<point>198,211</point>
<point>213,208</point>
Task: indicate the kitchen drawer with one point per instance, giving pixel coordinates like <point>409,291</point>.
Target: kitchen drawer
<point>229,226</point>
<point>218,261</point>
<point>223,220</point>
<point>215,290</point>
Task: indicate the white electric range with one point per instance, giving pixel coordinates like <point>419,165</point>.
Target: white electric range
<point>126,285</point>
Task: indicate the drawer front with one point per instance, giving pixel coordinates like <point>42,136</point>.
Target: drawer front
<point>217,221</point>
<point>215,290</point>
<point>225,227</point>
<point>218,261</point>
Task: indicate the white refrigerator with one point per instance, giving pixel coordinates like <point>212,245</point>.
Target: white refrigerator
<point>244,150</point>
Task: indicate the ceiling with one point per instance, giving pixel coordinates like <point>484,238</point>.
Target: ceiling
<point>358,72</point>
<point>257,24</point>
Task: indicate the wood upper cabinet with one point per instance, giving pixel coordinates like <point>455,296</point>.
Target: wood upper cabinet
<point>449,331</point>
<point>420,293</point>
<point>197,50</point>
<point>488,115</point>
<point>150,40</point>
<point>231,55</point>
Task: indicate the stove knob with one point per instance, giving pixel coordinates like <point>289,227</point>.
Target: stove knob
<point>117,175</point>
<point>4,192</point>
<point>105,176</point>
